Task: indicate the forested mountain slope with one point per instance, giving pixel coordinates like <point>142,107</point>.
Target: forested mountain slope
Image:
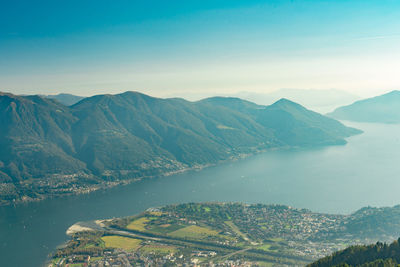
<point>378,255</point>
<point>380,109</point>
<point>49,148</point>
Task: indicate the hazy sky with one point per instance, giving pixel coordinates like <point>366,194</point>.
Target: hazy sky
<point>169,47</point>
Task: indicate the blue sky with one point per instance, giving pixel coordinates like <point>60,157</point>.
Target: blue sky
<point>198,47</point>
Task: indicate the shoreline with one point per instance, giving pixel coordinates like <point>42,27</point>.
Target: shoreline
<point>339,236</point>
<point>123,182</point>
<point>109,185</point>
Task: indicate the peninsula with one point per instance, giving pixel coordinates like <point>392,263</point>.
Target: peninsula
<point>223,234</point>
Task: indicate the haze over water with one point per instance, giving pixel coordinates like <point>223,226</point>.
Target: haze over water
<point>337,179</point>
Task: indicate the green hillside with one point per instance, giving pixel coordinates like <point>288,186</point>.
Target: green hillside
<point>381,109</point>
<point>49,148</point>
<point>378,255</point>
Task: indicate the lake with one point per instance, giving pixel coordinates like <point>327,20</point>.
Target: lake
<point>339,179</point>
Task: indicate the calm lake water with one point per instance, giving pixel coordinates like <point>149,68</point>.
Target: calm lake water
<point>340,179</point>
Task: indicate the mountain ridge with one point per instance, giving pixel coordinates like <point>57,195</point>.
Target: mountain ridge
<point>381,109</point>
<point>108,139</point>
<point>66,99</point>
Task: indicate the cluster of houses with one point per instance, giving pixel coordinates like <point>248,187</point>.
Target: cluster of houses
<point>120,258</point>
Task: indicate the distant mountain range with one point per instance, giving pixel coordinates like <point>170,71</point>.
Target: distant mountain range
<point>66,99</point>
<point>381,109</point>
<point>50,149</point>
<point>322,101</point>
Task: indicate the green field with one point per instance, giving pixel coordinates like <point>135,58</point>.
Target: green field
<point>194,232</point>
<point>125,243</point>
<point>139,224</point>
<point>165,228</point>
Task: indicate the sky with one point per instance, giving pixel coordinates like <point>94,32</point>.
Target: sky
<point>166,48</point>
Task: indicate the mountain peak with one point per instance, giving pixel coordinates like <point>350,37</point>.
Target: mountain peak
<point>286,103</point>
<point>133,93</point>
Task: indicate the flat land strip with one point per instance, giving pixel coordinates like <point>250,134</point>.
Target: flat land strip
<point>204,233</point>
